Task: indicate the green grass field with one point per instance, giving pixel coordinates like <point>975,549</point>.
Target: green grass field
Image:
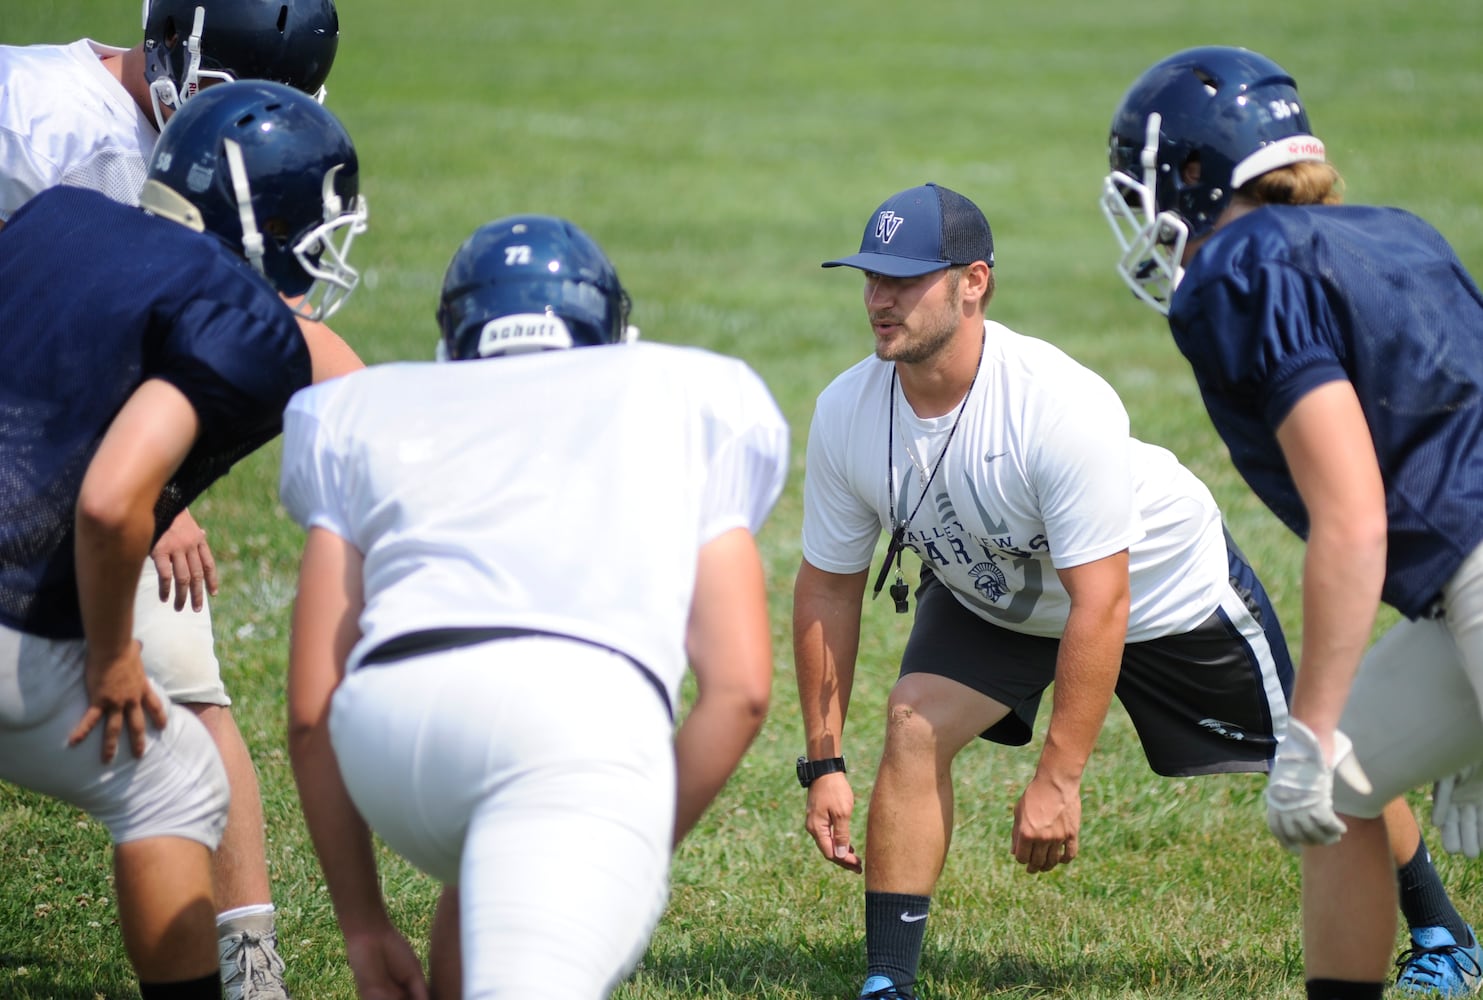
<point>719,152</point>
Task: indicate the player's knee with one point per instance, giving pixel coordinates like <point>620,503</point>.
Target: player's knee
<point>179,789</point>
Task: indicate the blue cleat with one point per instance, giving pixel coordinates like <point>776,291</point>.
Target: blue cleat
<point>1436,965</point>
<point>881,988</point>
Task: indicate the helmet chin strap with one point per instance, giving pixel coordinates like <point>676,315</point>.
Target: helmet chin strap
<point>1150,155</point>
<point>193,50</point>
<point>327,195</point>
<point>252,240</point>
<point>162,95</point>
<point>163,92</point>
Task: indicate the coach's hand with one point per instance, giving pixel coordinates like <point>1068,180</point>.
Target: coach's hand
<point>831,802</point>
<point>119,695</point>
<point>184,562</point>
<point>1047,825</point>
<point>1457,810</point>
<point>1300,790</point>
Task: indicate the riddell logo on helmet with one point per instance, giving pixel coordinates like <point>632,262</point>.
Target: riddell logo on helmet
<point>1305,147</point>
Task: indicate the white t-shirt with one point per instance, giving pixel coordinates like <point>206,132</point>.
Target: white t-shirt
<point>1041,474</point>
<point>64,119</point>
<point>563,491</point>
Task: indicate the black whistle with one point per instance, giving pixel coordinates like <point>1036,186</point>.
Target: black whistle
<point>899,592</point>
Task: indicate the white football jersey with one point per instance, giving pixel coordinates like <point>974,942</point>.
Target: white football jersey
<point>1041,474</point>
<point>561,491</point>
<point>64,119</point>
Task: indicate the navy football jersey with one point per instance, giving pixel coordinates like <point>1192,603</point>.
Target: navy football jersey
<point>97,298</point>
<point>1285,299</point>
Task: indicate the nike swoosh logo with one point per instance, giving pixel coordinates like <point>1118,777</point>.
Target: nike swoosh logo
<point>907,918</point>
<point>989,456</point>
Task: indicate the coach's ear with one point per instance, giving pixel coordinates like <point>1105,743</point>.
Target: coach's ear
<point>976,286</point>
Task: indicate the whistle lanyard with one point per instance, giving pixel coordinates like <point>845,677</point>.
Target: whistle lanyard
<point>899,590</point>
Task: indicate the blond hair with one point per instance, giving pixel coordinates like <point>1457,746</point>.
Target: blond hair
<point>1305,183</point>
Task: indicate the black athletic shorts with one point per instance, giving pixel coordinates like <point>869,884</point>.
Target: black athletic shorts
<point>1208,701</point>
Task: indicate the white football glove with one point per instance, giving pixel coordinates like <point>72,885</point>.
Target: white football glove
<point>1457,810</point>
<point>1300,790</point>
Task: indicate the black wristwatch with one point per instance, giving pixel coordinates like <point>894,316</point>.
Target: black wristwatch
<point>810,770</point>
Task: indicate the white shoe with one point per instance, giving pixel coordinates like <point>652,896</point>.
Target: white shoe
<point>251,968</point>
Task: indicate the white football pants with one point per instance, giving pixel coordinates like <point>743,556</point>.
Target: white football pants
<point>538,775</point>
<point>178,788</point>
<point>179,650</point>
<point>1413,712</point>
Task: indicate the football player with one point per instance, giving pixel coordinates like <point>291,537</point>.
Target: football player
<point>1336,349</point>
<point>510,557</point>
<point>126,395</point>
<point>88,115</point>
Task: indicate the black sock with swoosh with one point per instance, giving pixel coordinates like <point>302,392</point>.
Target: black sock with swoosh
<point>1424,900</point>
<point>894,926</point>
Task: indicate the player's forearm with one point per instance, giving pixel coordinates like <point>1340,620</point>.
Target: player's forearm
<point>114,518</point>
<point>110,549</point>
<point>730,650</point>
<point>1342,576</point>
<point>1326,443</point>
<point>709,745</point>
<point>341,838</point>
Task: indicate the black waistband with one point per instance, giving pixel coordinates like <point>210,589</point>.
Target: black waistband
<point>437,640</point>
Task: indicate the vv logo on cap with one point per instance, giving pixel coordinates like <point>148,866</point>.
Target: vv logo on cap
<point>886,225</point>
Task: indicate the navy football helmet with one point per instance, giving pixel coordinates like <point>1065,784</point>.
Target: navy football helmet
<point>1190,131</point>
<point>273,175</point>
<point>189,41</point>
<point>530,283</point>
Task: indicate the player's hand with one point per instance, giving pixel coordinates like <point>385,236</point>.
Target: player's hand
<point>1300,790</point>
<point>831,802</point>
<point>385,966</point>
<point>184,562</point>
<point>119,696</point>
<point>1457,810</point>
<point>1047,825</point>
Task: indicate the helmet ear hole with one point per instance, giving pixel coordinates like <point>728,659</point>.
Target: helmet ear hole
<point>1189,173</point>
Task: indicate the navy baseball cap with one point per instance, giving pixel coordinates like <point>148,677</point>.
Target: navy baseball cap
<point>921,230</point>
